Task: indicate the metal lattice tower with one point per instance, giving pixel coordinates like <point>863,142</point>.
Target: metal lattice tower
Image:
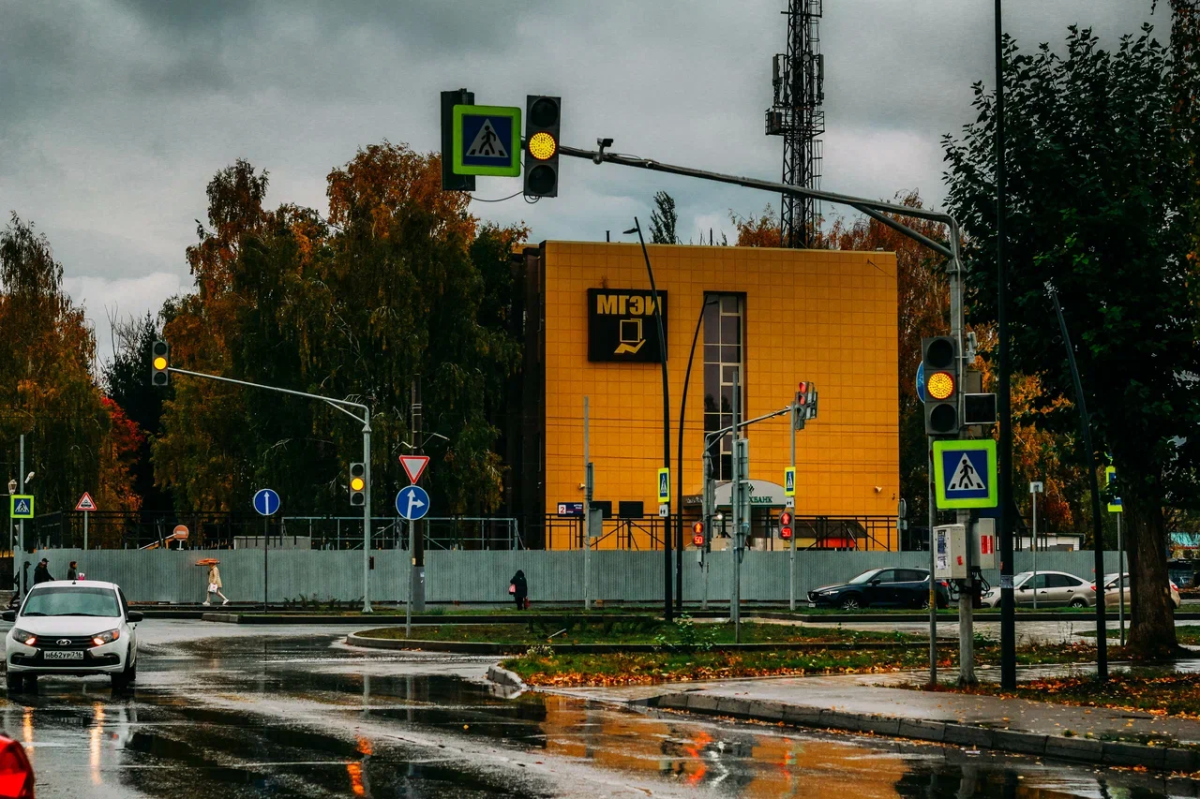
<point>798,77</point>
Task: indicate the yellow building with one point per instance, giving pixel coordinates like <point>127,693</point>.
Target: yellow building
<point>783,315</point>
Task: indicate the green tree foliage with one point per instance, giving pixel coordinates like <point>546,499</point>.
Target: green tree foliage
<point>75,440</point>
<point>664,221</point>
<point>398,282</point>
<point>1102,198</point>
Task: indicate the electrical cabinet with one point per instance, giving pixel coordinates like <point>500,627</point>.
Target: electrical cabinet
<point>950,556</point>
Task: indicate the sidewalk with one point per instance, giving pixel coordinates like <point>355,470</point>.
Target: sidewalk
<point>871,703</point>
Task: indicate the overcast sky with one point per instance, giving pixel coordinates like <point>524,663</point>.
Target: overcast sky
<point>114,115</point>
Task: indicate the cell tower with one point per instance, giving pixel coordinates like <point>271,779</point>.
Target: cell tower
<point>799,77</point>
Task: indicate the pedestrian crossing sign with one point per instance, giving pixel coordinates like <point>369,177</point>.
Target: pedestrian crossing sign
<point>664,486</point>
<point>965,474</point>
<point>789,481</point>
<point>20,506</point>
<point>1110,477</point>
<point>487,140</point>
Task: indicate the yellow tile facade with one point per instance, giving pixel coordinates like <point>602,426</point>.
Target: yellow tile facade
<point>819,315</point>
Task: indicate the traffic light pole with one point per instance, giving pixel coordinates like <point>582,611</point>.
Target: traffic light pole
<point>792,553</point>
<point>344,406</point>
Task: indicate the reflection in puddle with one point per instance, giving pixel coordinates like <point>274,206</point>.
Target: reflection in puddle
<point>266,720</point>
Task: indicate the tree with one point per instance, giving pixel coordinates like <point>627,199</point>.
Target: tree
<point>398,282</point>
<point>1101,201</point>
<point>761,231</point>
<point>46,387</point>
<point>664,220</point>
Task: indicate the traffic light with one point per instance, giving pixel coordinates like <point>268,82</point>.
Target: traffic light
<point>805,404</point>
<point>785,525</point>
<point>542,119</point>
<point>160,362</point>
<point>358,485</point>
<point>698,534</point>
<point>939,385</point>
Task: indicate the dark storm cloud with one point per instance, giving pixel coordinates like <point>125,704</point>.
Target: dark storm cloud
<point>114,116</point>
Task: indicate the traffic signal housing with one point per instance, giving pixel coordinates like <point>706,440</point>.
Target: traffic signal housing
<point>543,116</point>
<point>698,534</point>
<point>358,485</point>
<point>785,525</point>
<point>940,381</point>
<point>160,362</point>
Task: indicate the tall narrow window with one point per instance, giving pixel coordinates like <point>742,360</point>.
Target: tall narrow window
<point>723,322</point>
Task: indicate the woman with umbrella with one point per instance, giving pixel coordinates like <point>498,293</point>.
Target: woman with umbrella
<point>214,580</point>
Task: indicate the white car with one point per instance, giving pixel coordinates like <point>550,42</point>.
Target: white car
<point>79,628</point>
<point>1053,589</point>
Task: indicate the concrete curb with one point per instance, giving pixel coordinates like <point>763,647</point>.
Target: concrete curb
<point>1086,750</point>
<point>506,678</point>
<point>487,648</point>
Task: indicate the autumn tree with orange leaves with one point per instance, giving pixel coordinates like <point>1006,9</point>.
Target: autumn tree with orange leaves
<point>399,280</point>
<point>75,439</point>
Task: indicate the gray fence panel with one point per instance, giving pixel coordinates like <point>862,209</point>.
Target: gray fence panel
<point>483,576</point>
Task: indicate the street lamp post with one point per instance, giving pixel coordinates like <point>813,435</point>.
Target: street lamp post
<point>687,379</point>
<point>668,610</point>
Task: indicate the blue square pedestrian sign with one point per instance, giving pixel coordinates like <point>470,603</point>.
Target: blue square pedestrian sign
<point>487,140</point>
<point>965,474</point>
<point>1110,477</point>
<point>20,506</point>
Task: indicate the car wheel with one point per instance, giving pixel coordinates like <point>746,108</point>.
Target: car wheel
<point>851,602</point>
<point>1079,602</point>
<point>13,681</point>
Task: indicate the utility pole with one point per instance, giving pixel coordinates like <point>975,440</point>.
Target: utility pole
<point>1120,582</point>
<point>21,523</point>
<point>932,570</point>
<point>416,534</point>
<point>1008,610</point>
<point>1035,488</point>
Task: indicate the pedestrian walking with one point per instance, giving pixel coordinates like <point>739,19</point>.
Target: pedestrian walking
<point>214,585</point>
<point>519,589</point>
<point>73,571</point>
<point>41,574</point>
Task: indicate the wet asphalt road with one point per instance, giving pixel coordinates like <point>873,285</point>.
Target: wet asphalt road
<point>222,711</point>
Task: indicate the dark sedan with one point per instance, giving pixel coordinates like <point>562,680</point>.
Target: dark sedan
<point>879,588</point>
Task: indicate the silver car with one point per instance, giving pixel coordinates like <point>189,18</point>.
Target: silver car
<point>1053,589</point>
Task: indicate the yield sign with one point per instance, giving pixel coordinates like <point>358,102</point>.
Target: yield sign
<point>414,466</point>
<point>86,502</point>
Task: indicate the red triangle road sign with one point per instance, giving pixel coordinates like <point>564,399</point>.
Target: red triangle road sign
<point>414,466</point>
<point>86,503</point>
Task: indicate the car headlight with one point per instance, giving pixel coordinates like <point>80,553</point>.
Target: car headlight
<point>24,636</point>
<point>831,592</point>
<point>106,637</point>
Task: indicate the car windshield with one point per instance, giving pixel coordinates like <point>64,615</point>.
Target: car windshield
<point>864,577</point>
<point>71,601</point>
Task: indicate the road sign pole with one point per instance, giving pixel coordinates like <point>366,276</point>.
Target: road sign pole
<point>266,530</point>
<point>792,553</point>
<point>587,541</point>
<point>932,571</point>
<point>735,501</point>
<point>21,523</point>
<point>366,511</point>
<point>1035,549</point>
<point>85,530</point>
<point>1120,582</point>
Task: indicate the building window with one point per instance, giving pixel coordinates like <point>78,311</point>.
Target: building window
<point>723,325</point>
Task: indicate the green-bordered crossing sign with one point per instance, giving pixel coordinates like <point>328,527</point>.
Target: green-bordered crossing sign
<point>20,506</point>
<point>965,474</point>
<point>487,140</point>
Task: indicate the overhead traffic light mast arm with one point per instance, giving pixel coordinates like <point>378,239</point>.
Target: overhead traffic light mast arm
<point>341,405</point>
<point>873,208</point>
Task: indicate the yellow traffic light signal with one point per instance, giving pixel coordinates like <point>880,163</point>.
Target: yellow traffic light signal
<point>358,485</point>
<point>160,363</point>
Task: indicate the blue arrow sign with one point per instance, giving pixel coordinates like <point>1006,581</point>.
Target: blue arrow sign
<point>412,503</point>
<point>921,383</point>
<point>266,502</point>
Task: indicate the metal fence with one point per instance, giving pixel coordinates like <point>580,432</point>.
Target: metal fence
<point>467,576</point>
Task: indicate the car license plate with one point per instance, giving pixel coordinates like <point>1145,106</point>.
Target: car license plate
<point>73,655</point>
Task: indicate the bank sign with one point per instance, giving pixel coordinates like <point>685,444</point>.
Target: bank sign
<point>621,326</point>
